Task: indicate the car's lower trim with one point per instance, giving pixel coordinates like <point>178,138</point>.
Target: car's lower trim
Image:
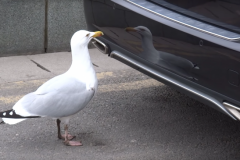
<point>151,71</point>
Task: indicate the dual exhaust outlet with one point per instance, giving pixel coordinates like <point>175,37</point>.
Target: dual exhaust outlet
<point>232,109</point>
<point>100,46</point>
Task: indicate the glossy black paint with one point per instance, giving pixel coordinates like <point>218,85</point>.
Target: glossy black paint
<point>213,67</point>
<point>223,14</point>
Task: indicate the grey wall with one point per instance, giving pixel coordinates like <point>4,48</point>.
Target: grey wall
<point>64,18</point>
<point>21,26</point>
<point>24,28</point>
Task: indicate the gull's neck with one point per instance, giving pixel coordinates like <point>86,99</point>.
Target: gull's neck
<point>147,44</point>
<point>81,62</point>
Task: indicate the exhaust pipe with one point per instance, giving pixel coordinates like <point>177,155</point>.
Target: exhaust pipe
<point>233,109</point>
<point>100,45</point>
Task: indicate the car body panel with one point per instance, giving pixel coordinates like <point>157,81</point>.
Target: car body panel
<point>197,59</point>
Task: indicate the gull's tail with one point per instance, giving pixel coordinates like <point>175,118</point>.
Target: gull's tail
<point>10,117</point>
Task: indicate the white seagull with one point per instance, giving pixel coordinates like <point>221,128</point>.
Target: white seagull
<point>64,95</point>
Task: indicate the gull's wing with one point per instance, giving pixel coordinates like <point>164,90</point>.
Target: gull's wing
<point>180,62</point>
<point>59,97</point>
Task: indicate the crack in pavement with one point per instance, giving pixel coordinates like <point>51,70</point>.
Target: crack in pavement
<point>95,65</point>
<point>40,66</point>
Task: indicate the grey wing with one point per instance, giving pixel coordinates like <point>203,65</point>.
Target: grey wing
<point>59,98</point>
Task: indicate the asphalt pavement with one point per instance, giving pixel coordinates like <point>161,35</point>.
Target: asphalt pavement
<point>132,117</point>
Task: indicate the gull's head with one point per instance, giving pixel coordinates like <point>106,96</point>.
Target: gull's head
<point>82,38</point>
<point>143,31</point>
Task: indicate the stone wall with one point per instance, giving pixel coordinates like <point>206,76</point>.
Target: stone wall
<point>38,26</point>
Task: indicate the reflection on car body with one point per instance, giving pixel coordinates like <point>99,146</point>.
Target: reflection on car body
<point>171,62</point>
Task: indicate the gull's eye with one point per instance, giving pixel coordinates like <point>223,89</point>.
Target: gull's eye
<point>87,34</point>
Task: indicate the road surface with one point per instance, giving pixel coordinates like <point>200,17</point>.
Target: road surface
<point>132,117</point>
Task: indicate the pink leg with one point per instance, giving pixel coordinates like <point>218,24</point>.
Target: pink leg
<point>70,137</point>
<point>60,136</point>
<point>70,143</point>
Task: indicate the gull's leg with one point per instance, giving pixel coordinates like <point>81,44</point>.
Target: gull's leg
<point>70,143</point>
<point>70,137</point>
<point>59,130</point>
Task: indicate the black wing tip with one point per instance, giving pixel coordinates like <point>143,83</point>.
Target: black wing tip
<point>12,114</point>
<point>2,122</point>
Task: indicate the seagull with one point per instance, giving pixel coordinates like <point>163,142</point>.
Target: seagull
<point>177,64</point>
<point>62,96</point>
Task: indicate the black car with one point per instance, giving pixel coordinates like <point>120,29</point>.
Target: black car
<point>191,45</point>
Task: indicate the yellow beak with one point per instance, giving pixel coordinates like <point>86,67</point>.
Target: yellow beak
<point>130,29</point>
<point>98,34</point>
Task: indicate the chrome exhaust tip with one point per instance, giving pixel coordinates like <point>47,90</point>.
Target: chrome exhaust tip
<point>100,45</point>
<point>232,109</point>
